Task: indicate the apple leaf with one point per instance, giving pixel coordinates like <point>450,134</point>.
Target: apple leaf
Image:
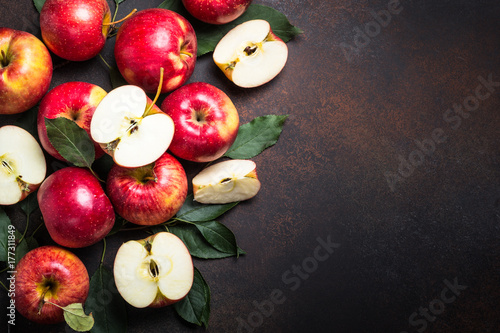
<point>195,307</point>
<point>75,317</point>
<point>219,236</point>
<point>108,306</point>
<point>29,204</point>
<point>39,4</point>
<point>256,136</point>
<point>71,141</point>
<point>196,212</point>
<point>4,234</point>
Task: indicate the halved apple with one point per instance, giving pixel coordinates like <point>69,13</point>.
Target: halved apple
<point>22,164</point>
<point>153,272</point>
<point>227,181</point>
<point>130,127</point>
<point>250,54</point>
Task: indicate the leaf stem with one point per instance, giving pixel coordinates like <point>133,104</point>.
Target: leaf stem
<point>103,249</point>
<point>105,62</point>
<point>121,20</point>
<point>3,285</point>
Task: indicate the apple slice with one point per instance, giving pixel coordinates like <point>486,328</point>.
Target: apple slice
<point>250,54</point>
<point>22,164</point>
<point>130,127</point>
<point>228,181</point>
<point>153,272</point>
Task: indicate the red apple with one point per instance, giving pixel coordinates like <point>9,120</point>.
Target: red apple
<point>76,101</point>
<point>216,12</point>
<point>49,274</point>
<point>148,195</point>
<point>75,30</point>
<point>206,122</point>
<point>76,211</point>
<point>25,71</point>
<point>155,38</point>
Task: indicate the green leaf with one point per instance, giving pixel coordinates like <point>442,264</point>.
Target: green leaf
<point>71,141</point>
<point>29,204</point>
<point>24,246</point>
<point>5,231</point>
<point>77,319</point>
<point>195,307</point>
<point>256,136</point>
<point>39,4</point>
<point>196,212</point>
<point>105,303</point>
<point>219,236</point>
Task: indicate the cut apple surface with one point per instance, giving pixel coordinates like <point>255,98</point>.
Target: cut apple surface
<point>130,128</point>
<point>22,164</point>
<point>227,181</point>
<point>251,54</point>
<point>153,272</point>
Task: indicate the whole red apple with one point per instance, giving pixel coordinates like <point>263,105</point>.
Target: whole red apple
<point>76,211</point>
<point>25,70</point>
<point>148,195</point>
<point>75,30</point>
<point>206,122</point>
<point>49,274</point>
<point>73,100</point>
<point>155,38</point>
<point>216,12</point>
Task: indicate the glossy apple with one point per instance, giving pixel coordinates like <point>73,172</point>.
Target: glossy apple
<point>148,195</point>
<point>216,12</point>
<point>151,39</point>
<point>25,71</point>
<point>206,121</point>
<point>75,30</point>
<point>153,272</point>
<point>75,209</point>
<point>49,274</point>
<point>74,100</point>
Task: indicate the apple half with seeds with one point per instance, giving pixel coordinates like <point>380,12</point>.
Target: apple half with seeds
<point>154,272</point>
<point>130,127</point>
<point>22,164</point>
<point>250,54</point>
<point>225,182</point>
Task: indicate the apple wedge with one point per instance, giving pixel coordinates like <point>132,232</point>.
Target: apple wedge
<point>22,164</point>
<point>130,127</point>
<point>153,272</point>
<point>227,181</point>
<point>250,54</point>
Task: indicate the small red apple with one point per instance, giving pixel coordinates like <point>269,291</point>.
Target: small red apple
<point>216,12</point>
<point>206,122</point>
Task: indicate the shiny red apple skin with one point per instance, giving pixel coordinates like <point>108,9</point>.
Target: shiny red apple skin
<point>148,195</point>
<point>73,29</point>
<point>44,266</point>
<point>216,12</point>
<point>25,71</point>
<point>76,211</point>
<point>154,38</point>
<point>206,122</point>
<point>72,100</point>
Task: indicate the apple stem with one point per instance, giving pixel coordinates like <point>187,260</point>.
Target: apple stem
<point>3,59</point>
<point>42,299</point>
<point>123,19</point>
<point>158,91</point>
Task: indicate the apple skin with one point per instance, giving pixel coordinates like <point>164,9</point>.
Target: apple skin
<point>73,29</point>
<point>216,12</point>
<point>154,38</point>
<point>148,195</point>
<point>75,208</point>
<point>206,122</point>
<point>25,71</point>
<point>53,268</point>
<point>73,100</point>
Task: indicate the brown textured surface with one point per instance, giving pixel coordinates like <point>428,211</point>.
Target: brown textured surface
<point>350,121</point>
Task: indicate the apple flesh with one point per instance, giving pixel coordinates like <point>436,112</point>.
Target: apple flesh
<point>225,182</point>
<point>216,12</point>
<point>25,71</point>
<point>75,30</point>
<point>250,54</point>
<point>148,195</point>
<point>206,122</point>
<point>76,101</point>
<point>151,39</point>
<point>49,274</point>
<point>22,164</point>
<point>130,127</point>
<point>75,209</point>
<point>153,272</point>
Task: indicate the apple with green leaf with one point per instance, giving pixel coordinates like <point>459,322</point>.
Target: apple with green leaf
<point>216,12</point>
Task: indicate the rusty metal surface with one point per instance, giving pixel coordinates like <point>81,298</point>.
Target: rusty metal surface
<point>380,205</point>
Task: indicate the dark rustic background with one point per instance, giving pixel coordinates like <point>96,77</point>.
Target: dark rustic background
<point>390,153</point>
